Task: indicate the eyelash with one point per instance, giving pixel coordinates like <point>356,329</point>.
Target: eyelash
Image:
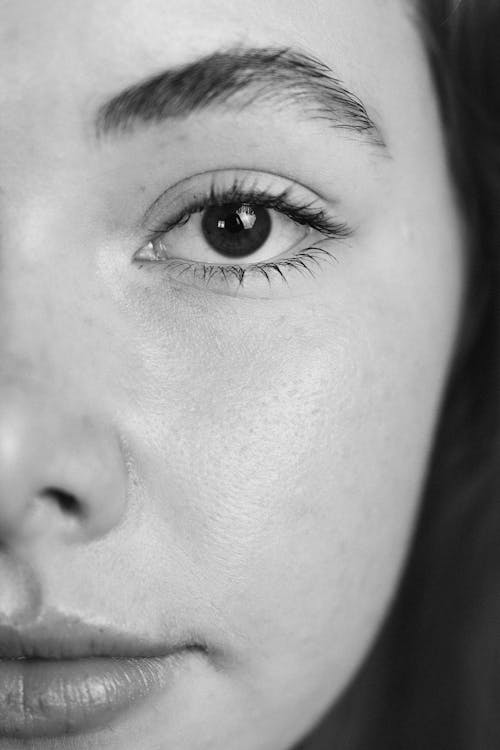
<point>301,213</point>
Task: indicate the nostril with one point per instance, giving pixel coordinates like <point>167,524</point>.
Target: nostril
<point>67,502</point>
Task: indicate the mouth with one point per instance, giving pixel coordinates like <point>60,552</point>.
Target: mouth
<point>64,676</point>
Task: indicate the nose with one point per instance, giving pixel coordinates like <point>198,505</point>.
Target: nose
<point>62,474</point>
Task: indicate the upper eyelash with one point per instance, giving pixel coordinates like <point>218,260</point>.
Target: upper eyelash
<point>303,214</point>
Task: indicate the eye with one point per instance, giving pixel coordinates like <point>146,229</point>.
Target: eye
<point>230,232</point>
<point>233,228</point>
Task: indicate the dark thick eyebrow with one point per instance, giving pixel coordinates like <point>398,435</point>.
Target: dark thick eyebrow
<point>240,76</point>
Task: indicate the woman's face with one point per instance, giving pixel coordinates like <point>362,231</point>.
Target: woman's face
<point>242,451</point>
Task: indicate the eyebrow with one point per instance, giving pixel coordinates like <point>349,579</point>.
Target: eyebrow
<point>243,76</point>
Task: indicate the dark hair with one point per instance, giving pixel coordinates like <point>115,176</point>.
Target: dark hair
<point>432,679</point>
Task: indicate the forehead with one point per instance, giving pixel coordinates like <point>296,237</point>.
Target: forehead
<point>74,54</point>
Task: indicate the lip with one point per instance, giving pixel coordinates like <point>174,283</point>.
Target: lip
<point>63,676</point>
<point>61,637</point>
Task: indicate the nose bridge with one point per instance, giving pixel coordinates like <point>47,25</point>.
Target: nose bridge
<point>49,297</point>
<point>33,343</point>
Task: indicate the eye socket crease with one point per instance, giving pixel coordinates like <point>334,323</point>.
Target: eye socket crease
<point>241,76</point>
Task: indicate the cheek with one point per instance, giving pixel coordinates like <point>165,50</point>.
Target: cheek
<point>281,458</point>
<point>278,450</point>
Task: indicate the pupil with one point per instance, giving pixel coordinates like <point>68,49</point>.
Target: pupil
<point>234,224</point>
<point>236,230</point>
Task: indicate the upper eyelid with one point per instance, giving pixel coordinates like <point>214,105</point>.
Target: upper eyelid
<point>256,196</point>
<point>294,183</point>
<point>316,217</point>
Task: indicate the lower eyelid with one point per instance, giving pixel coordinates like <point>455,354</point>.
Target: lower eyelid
<point>305,262</point>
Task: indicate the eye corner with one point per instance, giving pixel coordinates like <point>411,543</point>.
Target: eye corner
<point>145,254</point>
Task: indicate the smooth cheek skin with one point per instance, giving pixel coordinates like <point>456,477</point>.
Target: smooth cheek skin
<point>282,460</point>
<point>275,448</point>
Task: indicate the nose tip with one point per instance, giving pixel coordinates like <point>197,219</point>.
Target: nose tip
<point>62,474</point>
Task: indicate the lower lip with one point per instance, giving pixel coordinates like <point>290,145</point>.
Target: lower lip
<point>47,698</point>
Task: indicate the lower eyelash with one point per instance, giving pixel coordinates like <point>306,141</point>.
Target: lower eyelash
<point>304,261</point>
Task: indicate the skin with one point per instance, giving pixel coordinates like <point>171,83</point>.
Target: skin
<point>249,465</point>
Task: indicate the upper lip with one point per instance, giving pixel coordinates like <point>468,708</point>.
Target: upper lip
<point>64,637</point>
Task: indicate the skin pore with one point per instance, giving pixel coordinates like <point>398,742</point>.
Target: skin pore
<point>246,460</point>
